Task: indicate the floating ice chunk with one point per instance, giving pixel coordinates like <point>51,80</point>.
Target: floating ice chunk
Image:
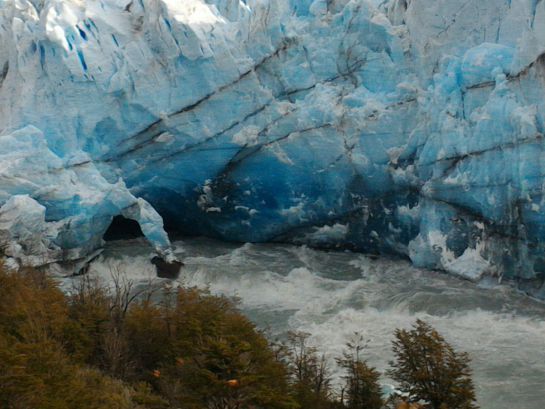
<point>470,265</point>
<point>335,233</point>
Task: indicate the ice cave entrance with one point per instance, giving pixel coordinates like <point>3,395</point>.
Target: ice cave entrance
<point>122,228</point>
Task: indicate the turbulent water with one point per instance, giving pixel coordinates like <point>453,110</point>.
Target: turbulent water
<point>332,295</point>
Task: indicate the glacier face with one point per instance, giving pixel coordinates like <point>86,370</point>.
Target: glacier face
<point>411,127</point>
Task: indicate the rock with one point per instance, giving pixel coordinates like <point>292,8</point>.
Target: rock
<point>165,269</point>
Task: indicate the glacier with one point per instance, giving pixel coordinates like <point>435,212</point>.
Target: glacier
<point>404,127</point>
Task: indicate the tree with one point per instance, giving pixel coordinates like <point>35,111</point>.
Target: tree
<point>311,382</point>
<point>428,369</point>
<point>362,389</point>
<point>96,331</point>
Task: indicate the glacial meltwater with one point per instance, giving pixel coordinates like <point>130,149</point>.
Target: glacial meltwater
<point>332,295</point>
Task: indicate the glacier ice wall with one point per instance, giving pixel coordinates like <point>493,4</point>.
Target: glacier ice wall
<point>411,127</point>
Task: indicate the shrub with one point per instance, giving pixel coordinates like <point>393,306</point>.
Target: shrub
<point>194,349</point>
<point>35,370</point>
<point>217,359</point>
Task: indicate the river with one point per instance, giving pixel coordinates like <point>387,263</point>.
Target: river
<point>333,295</point>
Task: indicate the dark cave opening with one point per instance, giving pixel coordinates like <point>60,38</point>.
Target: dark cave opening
<point>122,228</point>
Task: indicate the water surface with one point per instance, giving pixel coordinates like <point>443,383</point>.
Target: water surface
<point>333,295</point>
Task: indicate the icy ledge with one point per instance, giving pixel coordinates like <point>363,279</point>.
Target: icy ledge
<point>396,126</point>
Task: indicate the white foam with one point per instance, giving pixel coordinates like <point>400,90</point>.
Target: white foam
<point>503,331</point>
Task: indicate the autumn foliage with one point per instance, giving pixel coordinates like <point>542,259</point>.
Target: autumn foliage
<point>155,347</point>
<point>95,350</point>
<point>429,370</point>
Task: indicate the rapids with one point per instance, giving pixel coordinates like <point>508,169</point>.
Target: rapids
<point>332,295</point>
